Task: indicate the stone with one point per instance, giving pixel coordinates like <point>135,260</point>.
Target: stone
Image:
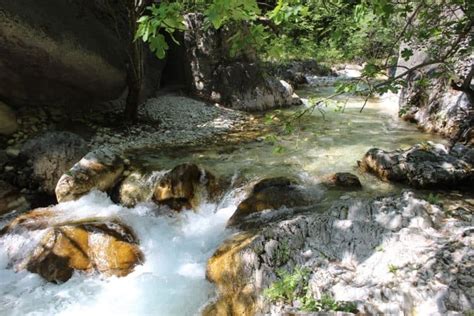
<point>422,166</point>
<point>51,154</point>
<point>12,152</point>
<point>238,82</point>
<point>71,67</point>
<point>137,187</point>
<point>227,269</point>
<point>344,180</point>
<point>436,107</point>
<point>100,169</point>
<point>108,247</point>
<point>11,199</point>
<point>184,186</point>
<point>8,123</point>
<point>269,194</point>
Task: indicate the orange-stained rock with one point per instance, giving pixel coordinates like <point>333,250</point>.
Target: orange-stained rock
<point>182,187</point>
<point>88,245</point>
<point>227,270</point>
<point>100,170</point>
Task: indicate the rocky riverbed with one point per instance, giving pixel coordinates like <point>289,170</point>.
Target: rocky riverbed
<point>303,230</point>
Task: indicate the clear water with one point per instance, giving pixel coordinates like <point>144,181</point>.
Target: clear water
<point>176,247</point>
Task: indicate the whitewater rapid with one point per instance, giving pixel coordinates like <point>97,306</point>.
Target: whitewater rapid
<point>170,282</point>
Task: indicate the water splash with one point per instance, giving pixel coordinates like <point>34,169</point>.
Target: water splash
<point>170,282</point>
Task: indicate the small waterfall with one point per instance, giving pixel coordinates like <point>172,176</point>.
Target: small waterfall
<point>170,282</point>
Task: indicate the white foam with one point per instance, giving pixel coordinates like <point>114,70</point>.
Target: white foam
<point>170,282</point>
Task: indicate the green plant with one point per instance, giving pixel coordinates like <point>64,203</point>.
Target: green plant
<point>285,289</point>
<point>392,268</point>
<point>294,286</point>
<point>433,199</point>
<point>282,254</point>
<point>327,304</point>
<point>379,248</point>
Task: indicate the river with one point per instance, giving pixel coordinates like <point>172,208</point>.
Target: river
<point>176,246</point>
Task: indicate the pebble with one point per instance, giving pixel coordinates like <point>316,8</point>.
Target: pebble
<point>9,168</point>
<point>12,152</point>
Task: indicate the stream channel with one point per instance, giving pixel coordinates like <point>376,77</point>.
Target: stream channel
<point>176,246</point>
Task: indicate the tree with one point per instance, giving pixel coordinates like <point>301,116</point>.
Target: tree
<point>369,31</point>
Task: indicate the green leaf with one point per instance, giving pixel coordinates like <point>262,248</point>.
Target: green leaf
<point>406,54</point>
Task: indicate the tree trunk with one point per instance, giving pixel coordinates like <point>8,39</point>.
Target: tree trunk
<point>135,65</point>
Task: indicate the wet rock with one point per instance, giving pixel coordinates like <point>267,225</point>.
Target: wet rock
<point>52,154</point>
<point>8,123</point>
<point>11,199</point>
<point>423,166</point>
<point>137,187</point>
<point>233,278</point>
<point>344,180</point>
<point>269,194</point>
<point>108,247</point>
<point>100,169</point>
<point>184,185</point>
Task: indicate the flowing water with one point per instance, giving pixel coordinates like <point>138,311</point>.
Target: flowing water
<point>177,246</point>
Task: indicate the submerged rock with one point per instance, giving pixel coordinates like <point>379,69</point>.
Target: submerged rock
<point>386,255</point>
<point>105,246</point>
<point>52,154</point>
<point>344,180</point>
<point>183,186</point>
<point>100,169</point>
<point>422,166</point>
<point>269,194</point>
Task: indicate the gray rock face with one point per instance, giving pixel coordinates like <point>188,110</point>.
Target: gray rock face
<point>237,82</point>
<point>423,166</point>
<point>437,107</point>
<point>100,169</point>
<point>52,154</point>
<point>49,56</point>
<point>389,256</point>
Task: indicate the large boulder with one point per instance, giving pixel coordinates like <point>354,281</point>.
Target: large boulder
<point>387,255</point>
<point>50,155</point>
<point>100,169</point>
<point>432,103</point>
<point>269,194</point>
<point>184,186</point>
<point>422,166</point>
<point>49,57</point>
<point>237,82</point>
<point>8,123</point>
<point>228,270</point>
<point>108,247</point>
